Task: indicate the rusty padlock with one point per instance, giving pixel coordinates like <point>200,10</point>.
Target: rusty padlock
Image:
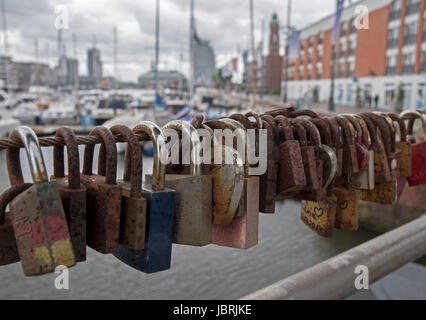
<point>291,172</point>
<point>8,250</point>
<point>228,178</point>
<point>39,222</point>
<point>243,232</point>
<point>73,192</point>
<point>320,216</point>
<point>418,167</point>
<point>338,143</point>
<point>366,180</point>
<point>103,195</point>
<point>156,256</point>
<point>268,181</point>
<point>383,192</point>
<point>313,167</point>
<point>133,205</point>
<point>193,204</point>
<point>350,159</point>
<point>403,145</point>
<point>381,166</point>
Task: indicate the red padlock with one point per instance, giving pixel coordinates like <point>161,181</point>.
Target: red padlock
<point>418,165</point>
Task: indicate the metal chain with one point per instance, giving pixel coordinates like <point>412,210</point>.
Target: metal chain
<point>51,142</point>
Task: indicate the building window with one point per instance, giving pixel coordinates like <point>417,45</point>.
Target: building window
<point>351,69</point>
<point>410,33</point>
<point>413,6</point>
<point>352,45</point>
<point>353,28</point>
<point>423,62</point>
<point>343,29</point>
<point>320,38</point>
<point>391,65</point>
<point>341,70</point>
<point>407,63</point>
<point>396,10</point>
<point>343,49</point>
<point>393,37</point>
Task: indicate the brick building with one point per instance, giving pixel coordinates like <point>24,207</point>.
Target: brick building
<point>369,62</point>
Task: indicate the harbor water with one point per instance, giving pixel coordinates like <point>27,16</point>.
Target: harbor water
<point>285,247</point>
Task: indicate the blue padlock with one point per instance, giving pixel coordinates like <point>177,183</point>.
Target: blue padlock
<point>156,256</point>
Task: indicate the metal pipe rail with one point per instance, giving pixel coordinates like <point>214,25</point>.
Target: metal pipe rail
<point>335,278</point>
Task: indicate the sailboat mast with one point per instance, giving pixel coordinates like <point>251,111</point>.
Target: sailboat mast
<point>253,54</point>
<point>191,55</point>
<point>157,45</point>
<point>6,45</point>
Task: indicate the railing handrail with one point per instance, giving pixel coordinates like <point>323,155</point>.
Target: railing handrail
<point>335,278</point>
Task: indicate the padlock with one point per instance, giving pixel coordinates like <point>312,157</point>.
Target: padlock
<point>8,250</point>
<point>347,207</point>
<point>291,173</point>
<point>361,145</point>
<point>193,216</point>
<point>73,192</point>
<point>103,195</point>
<point>381,166</point>
<point>418,167</point>
<point>350,160</point>
<point>383,192</point>
<point>403,145</point>
<point>286,112</point>
<point>227,178</point>
<point>320,216</point>
<point>338,143</point>
<point>39,222</point>
<point>268,181</point>
<point>313,167</point>
<point>156,256</point>
<point>401,181</point>
<point>366,181</point>
<point>133,205</point>
<point>243,232</point>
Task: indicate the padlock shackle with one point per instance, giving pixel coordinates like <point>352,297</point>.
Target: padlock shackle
<point>324,130</point>
<point>328,182</point>
<point>346,132</point>
<point>110,154</point>
<point>242,132</point>
<point>335,131</point>
<point>286,112</point>
<point>7,197</point>
<point>300,131</point>
<point>355,124</point>
<point>286,127</point>
<point>314,134</point>
<point>271,121</point>
<point>306,113</point>
<point>242,120</point>
<point>34,154</point>
<point>197,121</point>
<point>385,133</point>
<point>392,129</point>
<point>256,117</point>
<point>133,168</point>
<point>73,158</point>
<point>371,128</point>
<point>154,133</point>
<point>189,132</point>
<point>412,116</point>
<point>401,123</point>
<point>364,128</point>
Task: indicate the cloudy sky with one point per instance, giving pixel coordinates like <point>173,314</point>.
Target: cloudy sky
<point>225,23</point>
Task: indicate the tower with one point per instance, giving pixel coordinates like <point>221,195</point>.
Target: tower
<point>274,36</point>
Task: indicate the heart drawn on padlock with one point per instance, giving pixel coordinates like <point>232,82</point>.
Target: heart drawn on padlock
<point>318,213</point>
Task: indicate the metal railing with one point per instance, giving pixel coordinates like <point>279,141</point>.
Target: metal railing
<point>351,52</point>
<point>335,278</point>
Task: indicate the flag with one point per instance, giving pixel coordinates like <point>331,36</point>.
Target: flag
<point>336,27</point>
<point>294,43</point>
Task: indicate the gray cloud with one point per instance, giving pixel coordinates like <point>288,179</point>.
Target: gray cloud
<point>225,23</point>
